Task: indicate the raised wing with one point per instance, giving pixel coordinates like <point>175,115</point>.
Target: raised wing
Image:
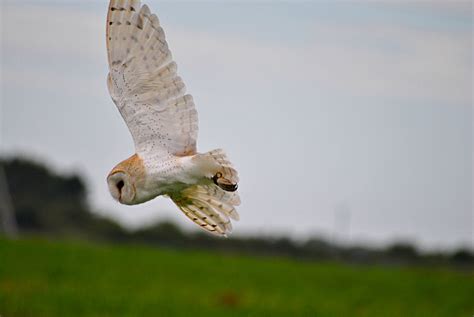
<point>144,84</point>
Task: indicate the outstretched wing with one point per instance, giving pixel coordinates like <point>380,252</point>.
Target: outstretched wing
<point>144,84</point>
<point>208,206</point>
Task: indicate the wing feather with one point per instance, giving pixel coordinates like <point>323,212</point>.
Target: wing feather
<point>144,84</point>
<point>210,207</point>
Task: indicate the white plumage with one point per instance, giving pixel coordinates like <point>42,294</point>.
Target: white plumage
<point>162,119</point>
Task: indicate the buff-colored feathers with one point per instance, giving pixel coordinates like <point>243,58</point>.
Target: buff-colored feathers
<point>133,166</point>
<point>209,207</point>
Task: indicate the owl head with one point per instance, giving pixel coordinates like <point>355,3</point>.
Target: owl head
<point>124,179</point>
<point>121,187</point>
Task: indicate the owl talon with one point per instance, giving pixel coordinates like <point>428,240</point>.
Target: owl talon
<point>223,183</point>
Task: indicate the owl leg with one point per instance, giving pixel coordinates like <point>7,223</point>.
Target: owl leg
<point>224,183</point>
<point>215,165</point>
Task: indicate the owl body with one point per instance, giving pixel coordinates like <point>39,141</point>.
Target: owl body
<point>153,177</point>
<point>144,85</point>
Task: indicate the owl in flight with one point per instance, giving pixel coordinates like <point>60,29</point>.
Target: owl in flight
<point>150,96</point>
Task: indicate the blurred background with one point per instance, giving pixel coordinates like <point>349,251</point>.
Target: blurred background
<point>350,124</point>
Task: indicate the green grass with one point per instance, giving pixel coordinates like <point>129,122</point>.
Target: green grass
<point>44,278</point>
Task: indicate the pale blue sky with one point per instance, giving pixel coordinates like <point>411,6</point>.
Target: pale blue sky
<point>320,105</point>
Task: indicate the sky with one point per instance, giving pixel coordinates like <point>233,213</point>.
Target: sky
<point>346,120</point>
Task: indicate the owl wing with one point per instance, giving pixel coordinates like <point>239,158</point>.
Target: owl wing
<point>144,84</point>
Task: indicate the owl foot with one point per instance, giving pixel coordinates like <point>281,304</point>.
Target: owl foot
<point>223,183</point>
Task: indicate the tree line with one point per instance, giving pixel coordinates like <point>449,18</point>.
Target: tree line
<point>48,203</point>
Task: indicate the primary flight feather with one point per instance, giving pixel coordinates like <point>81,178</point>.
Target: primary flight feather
<point>144,85</point>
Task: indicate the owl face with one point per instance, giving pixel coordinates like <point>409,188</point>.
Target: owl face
<point>121,187</point>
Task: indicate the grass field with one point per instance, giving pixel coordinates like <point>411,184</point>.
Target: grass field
<point>44,278</point>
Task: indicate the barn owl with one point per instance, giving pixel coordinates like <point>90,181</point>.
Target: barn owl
<point>162,119</point>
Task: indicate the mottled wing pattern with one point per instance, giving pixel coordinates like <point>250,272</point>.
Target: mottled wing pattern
<point>144,84</point>
<point>209,207</point>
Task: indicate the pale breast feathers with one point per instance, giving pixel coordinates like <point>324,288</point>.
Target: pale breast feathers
<point>144,84</point>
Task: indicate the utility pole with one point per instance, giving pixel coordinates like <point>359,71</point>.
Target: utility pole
<point>7,216</point>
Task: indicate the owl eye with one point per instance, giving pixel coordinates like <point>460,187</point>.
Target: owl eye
<point>120,185</point>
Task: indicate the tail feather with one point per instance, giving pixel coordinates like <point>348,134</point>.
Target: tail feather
<point>210,207</point>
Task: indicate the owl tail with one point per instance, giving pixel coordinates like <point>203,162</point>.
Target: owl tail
<point>208,206</point>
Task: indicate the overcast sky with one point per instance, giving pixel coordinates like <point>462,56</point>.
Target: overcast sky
<point>348,120</point>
